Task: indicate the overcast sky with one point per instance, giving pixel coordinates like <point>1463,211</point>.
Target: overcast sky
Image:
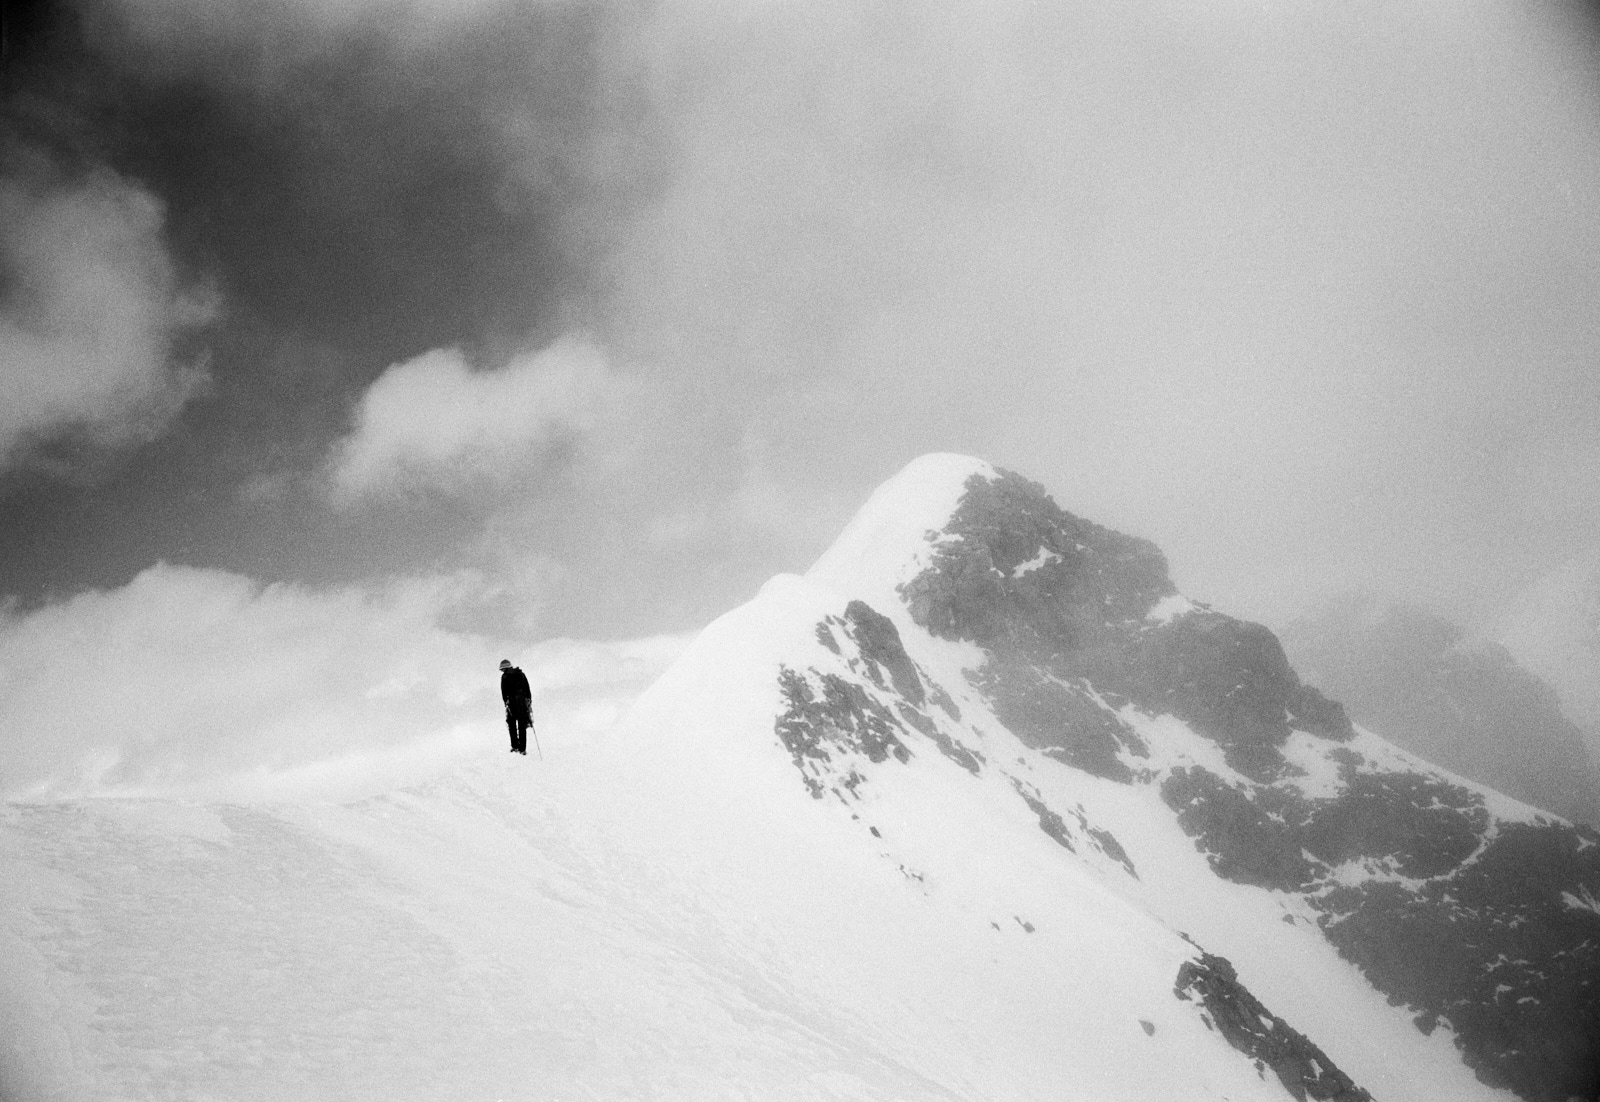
<point>585,319</point>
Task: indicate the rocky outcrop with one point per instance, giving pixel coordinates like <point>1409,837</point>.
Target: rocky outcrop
<point>1062,604</point>
<point>1229,680</point>
<point>1054,825</point>
<point>831,720</point>
<point>1303,1069</point>
<point>1012,570</point>
<point>835,724</point>
<point>878,642</point>
<point>1059,718</point>
<point>1409,825</point>
<point>834,716</point>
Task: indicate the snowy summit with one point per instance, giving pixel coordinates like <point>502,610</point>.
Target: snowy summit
<point>978,808</point>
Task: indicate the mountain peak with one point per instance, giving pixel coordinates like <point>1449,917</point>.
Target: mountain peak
<point>997,544</point>
<point>1073,644</point>
<point>888,540</point>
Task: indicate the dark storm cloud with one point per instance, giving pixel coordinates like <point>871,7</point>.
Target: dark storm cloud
<point>348,170</point>
<point>360,183</point>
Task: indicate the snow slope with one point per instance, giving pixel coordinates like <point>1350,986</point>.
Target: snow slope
<point>811,863</point>
<point>554,932</point>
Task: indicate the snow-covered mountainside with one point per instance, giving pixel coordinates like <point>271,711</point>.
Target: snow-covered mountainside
<point>1457,701</point>
<point>979,808</point>
<point>1457,903</point>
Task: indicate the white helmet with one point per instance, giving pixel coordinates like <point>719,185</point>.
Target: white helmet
<point>505,663</point>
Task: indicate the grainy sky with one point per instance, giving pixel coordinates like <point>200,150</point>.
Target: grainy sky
<point>608,312</point>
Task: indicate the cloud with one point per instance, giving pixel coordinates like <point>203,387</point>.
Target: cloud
<point>87,331</point>
<point>434,422</point>
<point>204,682</point>
<point>1278,286</point>
<point>1288,288</point>
<point>379,177</point>
<point>271,37</point>
<point>1553,628</point>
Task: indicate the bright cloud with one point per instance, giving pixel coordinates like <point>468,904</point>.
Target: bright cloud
<point>86,335</point>
<point>433,421</point>
<point>201,681</point>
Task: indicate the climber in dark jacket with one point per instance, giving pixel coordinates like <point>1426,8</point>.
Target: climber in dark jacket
<point>514,690</point>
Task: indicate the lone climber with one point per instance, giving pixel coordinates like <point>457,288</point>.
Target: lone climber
<point>518,696</point>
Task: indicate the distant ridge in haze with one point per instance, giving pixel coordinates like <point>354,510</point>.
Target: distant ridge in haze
<point>1553,628</point>
<point>1465,704</point>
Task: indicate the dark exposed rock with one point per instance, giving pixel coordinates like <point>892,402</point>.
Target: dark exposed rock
<point>1505,950</point>
<point>1089,576</point>
<point>1269,835</point>
<point>1058,718</point>
<point>970,760</point>
<point>843,717</point>
<point>1049,822</point>
<point>1053,824</point>
<point>837,714</point>
<point>1056,599</point>
<point>1496,941</point>
<point>1311,711</point>
<point>879,642</point>
<point>942,700</point>
<point>1302,1067</point>
<point>1247,835</point>
<point>1108,844</point>
<point>1415,824</point>
<point>1230,681</point>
